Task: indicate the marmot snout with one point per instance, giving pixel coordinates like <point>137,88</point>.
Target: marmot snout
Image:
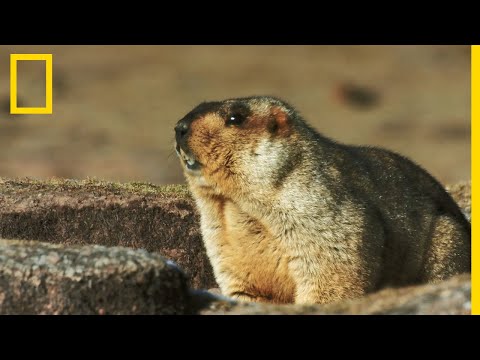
<point>288,215</point>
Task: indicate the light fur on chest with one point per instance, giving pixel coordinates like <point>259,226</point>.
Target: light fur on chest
<point>245,256</point>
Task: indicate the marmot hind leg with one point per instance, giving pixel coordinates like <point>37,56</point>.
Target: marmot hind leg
<point>449,252</point>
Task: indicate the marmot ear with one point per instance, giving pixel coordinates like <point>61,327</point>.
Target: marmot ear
<point>279,120</point>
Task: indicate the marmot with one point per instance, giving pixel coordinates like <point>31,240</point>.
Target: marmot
<point>291,216</point>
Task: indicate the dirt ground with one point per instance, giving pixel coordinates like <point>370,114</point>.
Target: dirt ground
<point>114,107</point>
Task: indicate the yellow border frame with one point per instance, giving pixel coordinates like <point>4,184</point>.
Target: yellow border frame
<point>48,109</point>
<point>475,104</point>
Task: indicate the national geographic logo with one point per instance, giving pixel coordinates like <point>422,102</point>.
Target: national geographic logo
<point>48,108</point>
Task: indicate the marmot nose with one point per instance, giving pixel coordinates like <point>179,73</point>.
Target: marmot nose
<point>181,128</point>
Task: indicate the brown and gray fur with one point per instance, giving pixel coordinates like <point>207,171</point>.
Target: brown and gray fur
<point>289,215</point>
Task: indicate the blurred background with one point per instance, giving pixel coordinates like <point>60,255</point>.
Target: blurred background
<point>114,107</point>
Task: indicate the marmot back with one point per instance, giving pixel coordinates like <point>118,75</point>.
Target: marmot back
<point>288,215</point>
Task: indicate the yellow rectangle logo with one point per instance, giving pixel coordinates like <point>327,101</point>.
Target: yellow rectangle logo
<point>14,109</point>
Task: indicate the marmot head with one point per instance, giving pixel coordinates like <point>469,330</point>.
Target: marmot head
<point>236,141</point>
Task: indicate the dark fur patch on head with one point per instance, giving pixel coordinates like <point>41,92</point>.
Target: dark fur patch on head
<point>238,111</point>
<point>279,122</point>
<point>272,126</point>
<point>202,110</point>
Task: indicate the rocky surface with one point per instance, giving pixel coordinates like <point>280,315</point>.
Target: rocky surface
<point>39,278</point>
<point>159,219</point>
<point>65,271</point>
<point>451,297</point>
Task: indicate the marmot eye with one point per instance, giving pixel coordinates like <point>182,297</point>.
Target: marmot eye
<point>234,119</point>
